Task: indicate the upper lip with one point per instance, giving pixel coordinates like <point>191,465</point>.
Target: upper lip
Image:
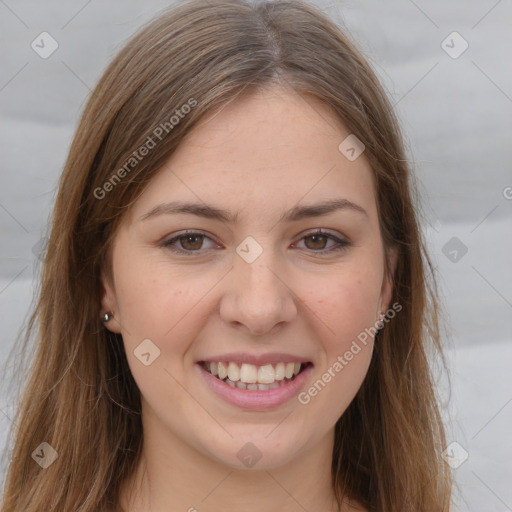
<point>257,360</point>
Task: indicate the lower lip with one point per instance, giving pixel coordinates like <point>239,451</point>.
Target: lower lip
<point>256,400</point>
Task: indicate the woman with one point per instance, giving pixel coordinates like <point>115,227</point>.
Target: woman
<point>235,307</point>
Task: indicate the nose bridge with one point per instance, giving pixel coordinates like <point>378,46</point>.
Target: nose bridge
<point>259,298</point>
<point>255,258</point>
<point>258,281</point>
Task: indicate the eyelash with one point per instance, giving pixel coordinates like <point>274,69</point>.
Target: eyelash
<point>341,244</point>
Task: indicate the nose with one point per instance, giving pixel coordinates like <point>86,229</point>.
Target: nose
<point>257,297</point>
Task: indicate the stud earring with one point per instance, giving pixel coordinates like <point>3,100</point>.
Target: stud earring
<point>106,317</point>
<point>380,323</point>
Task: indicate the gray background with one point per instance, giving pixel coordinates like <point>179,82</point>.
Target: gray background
<point>456,118</point>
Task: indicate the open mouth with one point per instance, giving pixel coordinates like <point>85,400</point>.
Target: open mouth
<point>254,378</point>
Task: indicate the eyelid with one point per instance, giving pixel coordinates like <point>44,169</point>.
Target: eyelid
<point>166,242</point>
<point>323,231</point>
<point>341,241</point>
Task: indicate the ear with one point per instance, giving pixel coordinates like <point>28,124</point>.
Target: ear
<point>386,292</point>
<point>109,304</point>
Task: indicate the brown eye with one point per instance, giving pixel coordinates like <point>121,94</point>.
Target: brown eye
<point>191,242</point>
<point>318,242</point>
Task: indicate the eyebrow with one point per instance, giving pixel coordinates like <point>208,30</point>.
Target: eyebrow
<point>211,212</point>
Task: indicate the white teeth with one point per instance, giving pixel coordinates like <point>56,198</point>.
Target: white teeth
<point>223,371</point>
<point>251,375</point>
<point>255,387</point>
<point>233,372</point>
<point>279,371</point>
<point>266,374</point>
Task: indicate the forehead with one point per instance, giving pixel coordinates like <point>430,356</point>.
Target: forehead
<point>261,154</point>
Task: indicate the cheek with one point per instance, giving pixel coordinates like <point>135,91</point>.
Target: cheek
<point>159,302</point>
<point>346,305</point>
<point>346,302</point>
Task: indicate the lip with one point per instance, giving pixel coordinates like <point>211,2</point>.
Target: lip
<point>257,360</point>
<point>255,400</point>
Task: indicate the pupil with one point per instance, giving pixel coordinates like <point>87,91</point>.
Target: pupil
<point>191,239</point>
<point>317,238</point>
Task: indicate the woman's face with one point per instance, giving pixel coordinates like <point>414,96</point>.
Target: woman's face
<point>251,287</point>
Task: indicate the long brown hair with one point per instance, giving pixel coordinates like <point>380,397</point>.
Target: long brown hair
<point>80,396</point>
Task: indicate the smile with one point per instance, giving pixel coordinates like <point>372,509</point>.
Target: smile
<point>251,377</point>
<point>256,387</point>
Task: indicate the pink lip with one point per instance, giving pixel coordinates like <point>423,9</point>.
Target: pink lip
<point>258,360</point>
<point>255,400</point>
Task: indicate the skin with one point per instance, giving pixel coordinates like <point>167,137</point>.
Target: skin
<point>262,155</point>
